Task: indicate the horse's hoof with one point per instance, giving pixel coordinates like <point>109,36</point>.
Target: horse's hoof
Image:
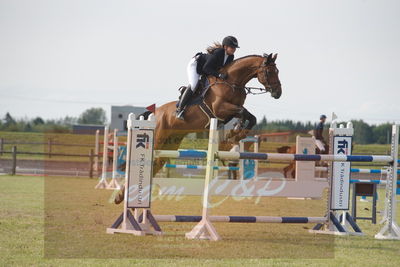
<point>119,197</point>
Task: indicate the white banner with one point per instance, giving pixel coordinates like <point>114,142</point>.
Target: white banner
<point>340,193</point>
<point>140,168</point>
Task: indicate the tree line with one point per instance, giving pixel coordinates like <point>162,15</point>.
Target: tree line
<point>96,116</point>
<point>364,133</point>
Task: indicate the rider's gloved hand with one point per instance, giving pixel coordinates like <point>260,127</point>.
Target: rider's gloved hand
<point>223,76</point>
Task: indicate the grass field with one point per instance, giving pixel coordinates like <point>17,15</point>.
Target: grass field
<point>61,221</point>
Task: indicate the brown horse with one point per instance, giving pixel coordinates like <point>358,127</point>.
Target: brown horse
<point>224,98</point>
<point>290,170</point>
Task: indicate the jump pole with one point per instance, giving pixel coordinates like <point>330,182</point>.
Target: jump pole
<point>102,184</point>
<point>114,183</point>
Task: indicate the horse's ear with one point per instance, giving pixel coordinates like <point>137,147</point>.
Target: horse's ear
<point>269,58</point>
<point>274,57</point>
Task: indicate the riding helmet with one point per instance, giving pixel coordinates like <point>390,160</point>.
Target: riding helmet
<point>230,41</point>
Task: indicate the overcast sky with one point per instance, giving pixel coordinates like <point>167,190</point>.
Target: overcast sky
<point>60,57</point>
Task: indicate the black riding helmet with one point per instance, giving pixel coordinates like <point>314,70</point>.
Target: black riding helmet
<point>230,41</point>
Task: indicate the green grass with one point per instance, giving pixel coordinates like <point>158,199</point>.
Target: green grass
<point>60,221</point>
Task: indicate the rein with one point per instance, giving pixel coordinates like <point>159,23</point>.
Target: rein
<point>247,88</point>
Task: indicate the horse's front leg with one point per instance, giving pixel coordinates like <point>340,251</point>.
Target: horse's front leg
<point>247,120</point>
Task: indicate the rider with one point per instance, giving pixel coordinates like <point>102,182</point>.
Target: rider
<point>207,64</point>
<point>318,132</point>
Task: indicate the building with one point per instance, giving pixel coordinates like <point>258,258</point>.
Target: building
<point>119,116</point>
<point>87,129</point>
<point>279,137</point>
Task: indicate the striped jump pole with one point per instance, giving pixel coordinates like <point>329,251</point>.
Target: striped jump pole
<point>200,167</point>
<point>226,155</point>
<point>371,181</point>
<point>181,154</point>
<point>355,170</point>
<point>240,219</point>
<point>302,157</point>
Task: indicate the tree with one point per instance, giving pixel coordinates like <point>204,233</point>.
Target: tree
<point>93,116</point>
<point>363,132</point>
<point>27,127</point>
<point>381,133</point>
<point>38,121</point>
<point>8,120</point>
<point>262,124</point>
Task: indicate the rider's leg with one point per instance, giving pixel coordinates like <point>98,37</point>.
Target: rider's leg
<point>193,77</point>
<point>183,101</point>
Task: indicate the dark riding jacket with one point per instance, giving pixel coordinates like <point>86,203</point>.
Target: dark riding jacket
<point>318,131</point>
<point>209,64</point>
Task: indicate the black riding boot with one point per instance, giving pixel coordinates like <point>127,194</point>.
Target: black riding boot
<point>183,102</point>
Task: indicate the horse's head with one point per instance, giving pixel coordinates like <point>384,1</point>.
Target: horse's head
<point>267,75</point>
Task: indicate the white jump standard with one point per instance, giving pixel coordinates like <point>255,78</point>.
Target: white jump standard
<point>103,180</point>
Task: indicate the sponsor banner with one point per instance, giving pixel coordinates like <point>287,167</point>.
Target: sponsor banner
<point>340,193</point>
<point>140,168</point>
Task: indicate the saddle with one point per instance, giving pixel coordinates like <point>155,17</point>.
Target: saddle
<point>202,87</point>
<point>198,99</point>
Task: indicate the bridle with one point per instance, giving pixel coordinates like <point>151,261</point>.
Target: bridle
<point>248,89</point>
<point>268,86</point>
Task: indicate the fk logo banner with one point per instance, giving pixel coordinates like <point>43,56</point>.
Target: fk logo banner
<point>342,147</point>
<point>142,140</point>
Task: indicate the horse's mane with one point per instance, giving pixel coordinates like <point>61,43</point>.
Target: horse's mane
<point>238,59</point>
<point>244,58</point>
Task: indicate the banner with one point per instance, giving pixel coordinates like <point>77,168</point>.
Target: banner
<point>140,168</point>
<point>340,192</point>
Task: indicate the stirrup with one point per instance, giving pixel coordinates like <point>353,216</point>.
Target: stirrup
<point>179,114</point>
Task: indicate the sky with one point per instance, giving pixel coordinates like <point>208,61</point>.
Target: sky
<point>61,57</point>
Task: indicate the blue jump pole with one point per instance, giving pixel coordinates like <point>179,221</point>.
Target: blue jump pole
<point>200,167</point>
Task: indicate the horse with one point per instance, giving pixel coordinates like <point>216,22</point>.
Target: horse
<point>223,100</point>
<point>290,170</point>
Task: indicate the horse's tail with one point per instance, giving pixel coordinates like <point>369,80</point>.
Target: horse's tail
<point>145,115</point>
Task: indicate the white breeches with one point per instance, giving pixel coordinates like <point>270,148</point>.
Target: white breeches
<point>193,76</point>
